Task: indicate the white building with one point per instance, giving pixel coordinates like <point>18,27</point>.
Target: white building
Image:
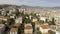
<point>28,29</point>
<point>43,18</point>
<point>44,28</point>
<point>34,19</point>
<point>37,24</point>
<point>18,20</point>
<point>13,31</point>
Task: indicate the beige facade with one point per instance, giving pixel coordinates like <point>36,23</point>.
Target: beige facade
<point>28,29</point>
<point>14,31</point>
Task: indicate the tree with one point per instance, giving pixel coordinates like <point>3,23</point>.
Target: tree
<point>53,21</point>
<point>33,25</point>
<point>17,12</point>
<point>0,21</point>
<point>46,21</point>
<point>38,28</point>
<point>42,21</point>
<point>38,31</point>
<point>51,32</point>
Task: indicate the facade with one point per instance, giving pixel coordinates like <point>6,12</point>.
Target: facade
<point>13,31</point>
<point>44,28</point>
<point>4,18</point>
<point>18,20</point>
<point>34,19</point>
<point>43,18</point>
<point>37,24</point>
<point>28,29</point>
<point>17,25</point>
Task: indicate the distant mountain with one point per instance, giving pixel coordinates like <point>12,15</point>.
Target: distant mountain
<point>25,6</point>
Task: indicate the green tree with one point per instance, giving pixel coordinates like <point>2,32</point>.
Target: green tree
<point>46,20</point>
<point>51,32</point>
<point>39,32</point>
<point>17,12</point>
<point>53,21</point>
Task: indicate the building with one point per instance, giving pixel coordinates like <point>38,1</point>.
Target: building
<point>18,20</point>
<point>53,28</point>
<point>44,28</point>
<point>37,24</point>
<point>34,19</point>
<point>17,25</point>
<point>4,18</point>
<point>43,18</point>
<point>13,31</point>
<point>28,29</point>
<point>58,29</point>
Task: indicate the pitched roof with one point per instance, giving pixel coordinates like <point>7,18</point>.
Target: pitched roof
<point>45,26</point>
<point>52,27</point>
<point>17,24</point>
<point>28,27</point>
<point>37,22</point>
<point>14,30</point>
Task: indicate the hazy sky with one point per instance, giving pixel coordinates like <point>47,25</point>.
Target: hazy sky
<point>44,3</point>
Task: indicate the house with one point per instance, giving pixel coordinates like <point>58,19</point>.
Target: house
<point>3,13</point>
<point>4,18</point>
<point>17,25</point>
<point>18,20</point>
<point>2,28</point>
<point>28,29</point>
<point>43,18</point>
<point>37,24</point>
<point>58,29</point>
<point>53,28</point>
<point>13,31</point>
<point>30,17</point>
<point>44,28</point>
<point>12,16</point>
<point>34,19</point>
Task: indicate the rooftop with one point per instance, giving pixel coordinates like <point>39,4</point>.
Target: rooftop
<point>14,30</point>
<point>28,27</point>
<point>17,24</point>
<point>45,26</point>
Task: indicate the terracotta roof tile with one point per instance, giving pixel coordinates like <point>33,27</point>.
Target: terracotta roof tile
<point>45,26</point>
<point>28,27</point>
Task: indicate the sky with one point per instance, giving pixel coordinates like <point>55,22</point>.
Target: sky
<point>43,3</point>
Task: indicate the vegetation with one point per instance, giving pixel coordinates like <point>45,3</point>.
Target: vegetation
<point>41,21</point>
<point>0,21</point>
<point>51,32</point>
<point>53,21</point>
<point>38,31</point>
<point>46,20</point>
